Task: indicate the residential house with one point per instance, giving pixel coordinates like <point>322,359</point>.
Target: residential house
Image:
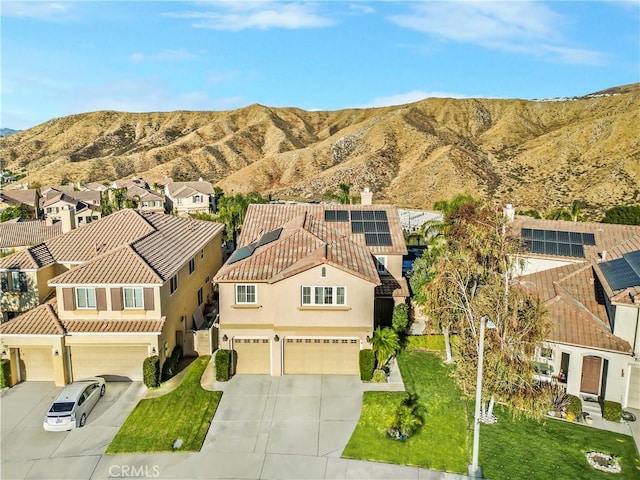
<point>588,274</point>
<point>122,288</point>
<point>146,200</point>
<point>190,197</point>
<point>28,199</point>
<point>84,204</point>
<point>302,293</point>
<point>20,233</point>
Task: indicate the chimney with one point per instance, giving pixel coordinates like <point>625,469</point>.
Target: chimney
<point>603,256</point>
<point>509,212</point>
<point>68,218</point>
<point>366,197</point>
<point>200,179</point>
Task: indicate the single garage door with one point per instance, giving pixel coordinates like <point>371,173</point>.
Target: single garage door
<point>252,355</point>
<point>633,400</point>
<point>114,362</point>
<point>321,356</point>
<point>36,364</point>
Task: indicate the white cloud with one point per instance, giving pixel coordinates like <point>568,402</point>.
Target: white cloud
<point>41,10</point>
<point>166,55</point>
<point>531,28</point>
<point>261,15</point>
<point>361,8</point>
<point>409,97</point>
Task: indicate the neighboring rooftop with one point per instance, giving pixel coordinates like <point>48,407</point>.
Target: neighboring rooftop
<point>188,189</point>
<point>21,232</point>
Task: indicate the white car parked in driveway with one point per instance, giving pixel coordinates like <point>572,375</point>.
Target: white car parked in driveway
<point>72,406</point>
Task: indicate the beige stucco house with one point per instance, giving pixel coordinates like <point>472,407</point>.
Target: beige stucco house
<point>588,274</point>
<point>190,197</point>
<point>299,294</point>
<point>84,204</point>
<point>118,290</point>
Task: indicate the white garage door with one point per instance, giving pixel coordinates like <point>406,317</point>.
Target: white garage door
<point>36,364</point>
<point>321,356</point>
<point>114,362</point>
<point>633,399</point>
<point>252,355</point>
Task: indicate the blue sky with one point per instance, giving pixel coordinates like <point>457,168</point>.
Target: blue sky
<point>60,58</point>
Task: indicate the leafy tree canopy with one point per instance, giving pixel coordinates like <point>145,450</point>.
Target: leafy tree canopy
<point>12,212</point>
<point>623,214</point>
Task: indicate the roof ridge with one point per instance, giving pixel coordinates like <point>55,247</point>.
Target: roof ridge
<point>55,318</point>
<point>564,293</point>
<point>130,247</point>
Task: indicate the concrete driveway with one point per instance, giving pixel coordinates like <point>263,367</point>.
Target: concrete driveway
<point>28,451</point>
<point>291,427</point>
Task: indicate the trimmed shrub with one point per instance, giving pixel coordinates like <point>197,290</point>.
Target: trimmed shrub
<point>428,342</point>
<point>574,406</point>
<point>367,364</point>
<point>400,318</point>
<point>379,376</point>
<point>5,373</point>
<point>169,368</point>
<point>223,365</point>
<point>611,411</point>
<point>151,371</point>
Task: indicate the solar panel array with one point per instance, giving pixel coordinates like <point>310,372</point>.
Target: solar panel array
<point>269,237</point>
<point>557,242</point>
<point>374,225</point>
<point>620,274</point>
<point>242,253</point>
<point>336,215</point>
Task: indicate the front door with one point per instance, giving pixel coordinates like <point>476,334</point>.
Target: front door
<point>591,370</point>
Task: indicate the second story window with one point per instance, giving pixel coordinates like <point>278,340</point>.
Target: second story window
<point>200,296</point>
<point>324,295</point>
<point>381,264</point>
<point>133,297</point>
<point>192,266</point>
<point>14,281</point>
<point>86,297</point>
<point>245,294</point>
<point>197,199</point>
<point>174,284</point>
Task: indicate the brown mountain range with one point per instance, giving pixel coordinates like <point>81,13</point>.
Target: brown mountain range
<point>538,154</point>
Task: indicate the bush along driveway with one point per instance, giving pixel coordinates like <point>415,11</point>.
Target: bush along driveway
<point>514,448</point>
<point>182,414</point>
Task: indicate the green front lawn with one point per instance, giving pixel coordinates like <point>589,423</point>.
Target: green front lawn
<point>440,444</point>
<point>184,413</point>
<point>514,448</point>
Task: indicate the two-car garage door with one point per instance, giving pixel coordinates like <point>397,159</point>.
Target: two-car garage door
<point>113,362</point>
<point>321,356</point>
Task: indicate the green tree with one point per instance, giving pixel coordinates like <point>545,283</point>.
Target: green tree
<point>470,279</point>
<point>559,214</point>
<point>400,319</point>
<point>343,195</point>
<point>623,214</point>
<point>385,343</point>
<point>12,212</point>
<point>232,210</point>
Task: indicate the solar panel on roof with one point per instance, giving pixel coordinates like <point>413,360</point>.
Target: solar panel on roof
<point>369,215</point>
<point>329,215</point>
<point>550,235</point>
<point>384,239</point>
<point>564,237</point>
<point>527,234</point>
<point>588,239</point>
<point>241,254</point>
<point>371,239</point>
<point>336,216</point>
<point>383,227</point>
<point>269,237</point>
<point>537,246</point>
<point>575,237</point>
<point>356,215</point>
<point>381,215</point>
<point>564,249</point>
<point>370,227</point>
<point>633,259</point>
<point>551,248</point>
<point>538,234</point>
<point>357,227</point>
<point>619,274</point>
<point>577,250</point>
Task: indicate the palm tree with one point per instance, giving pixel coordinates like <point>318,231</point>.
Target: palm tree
<point>344,193</point>
<point>385,343</point>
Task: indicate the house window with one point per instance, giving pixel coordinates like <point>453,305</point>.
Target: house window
<point>324,272</point>
<point>85,297</point>
<point>192,266</point>
<point>323,295</point>
<point>173,284</point>
<point>202,253</point>
<point>245,293</point>
<point>200,297</point>
<point>133,297</point>
<point>14,281</point>
<point>197,199</point>
<point>179,201</point>
<point>546,353</point>
<point>381,264</point>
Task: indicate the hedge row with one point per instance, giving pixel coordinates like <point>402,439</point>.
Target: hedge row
<point>151,371</point>
<point>223,365</point>
<point>367,364</point>
<point>5,373</point>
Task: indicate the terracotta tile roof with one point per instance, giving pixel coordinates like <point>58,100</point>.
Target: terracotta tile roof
<point>573,324</point>
<point>114,326</point>
<point>120,266</point>
<point>83,244</point>
<point>29,259</point>
<point>25,197</point>
<point>188,189</point>
<point>392,287</point>
<point>607,236</point>
<point>27,232</point>
<point>176,241</point>
<point>143,193</point>
<point>261,218</point>
<point>41,320</point>
<point>305,242</point>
